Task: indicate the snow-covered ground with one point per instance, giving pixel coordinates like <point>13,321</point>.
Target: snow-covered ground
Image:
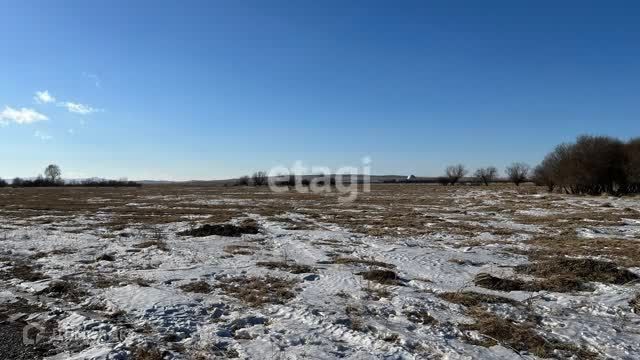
<point>130,279</point>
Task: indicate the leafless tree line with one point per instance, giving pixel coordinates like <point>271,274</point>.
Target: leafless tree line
<point>259,178</point>
<point>516,173</point>
<point>592,165</point>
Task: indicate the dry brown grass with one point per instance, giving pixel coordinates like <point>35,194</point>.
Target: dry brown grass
<point>582,270</point>
<point>385,277</point>
<point>626,252</point>
<point>367,262</point>
<point>198,287</point>
<point>67,290</point>
<point>246,227</point>
<point>470,298</point>
<point>420,317</point>
<point>240,249</point>
<point>22,271</point>
<point>146,354</point>
<point>291,267</point>
<point>258,291</point>
<point>521,337</point>
<point>160,244</point>
<point>560,275</point>
<point>635,304</point>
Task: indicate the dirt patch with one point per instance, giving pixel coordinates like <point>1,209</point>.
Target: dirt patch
<point>229,230</point>
<point>258,291</point>
<point>198,287</point>
<point>286,266</point>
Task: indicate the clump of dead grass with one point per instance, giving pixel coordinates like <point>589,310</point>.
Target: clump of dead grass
<point>240,249</point>
<point>67,290</point>
<point>521,337</point>
<point>258,291</point>
<point>368,262</point>
<point>635,304</point>
<point>198,287</point>
<point>582,270</point>
<point>385,277</point>
<point>230,230</point>
<point>22,271</point>
<point>160,244</point>
<point>470,298</point>
<point>420,316</point>
<point>291,267</point>
<point>489,281</point>
<point>141,353</point>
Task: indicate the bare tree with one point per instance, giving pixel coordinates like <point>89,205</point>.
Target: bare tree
<point>517,173</point>
<point>486,175</point>
<point>259,178</point>
<point>455,173</point>
<point>243,181</point>
<point>52,173</point>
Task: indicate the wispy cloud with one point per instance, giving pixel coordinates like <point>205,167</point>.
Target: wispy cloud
<point>94,77</point>
<point>42,136</point>
<point>43,97</point>
<point>20,116</point>
<point>78,108</point>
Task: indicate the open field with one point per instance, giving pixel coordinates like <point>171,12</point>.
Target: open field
<point>404,272</point>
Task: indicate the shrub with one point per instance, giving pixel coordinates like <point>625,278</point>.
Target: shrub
<point>3,183</point>
<point>486,175</point>
<point>260,178</point>
<point>243,181</point>
<point>517,173</point>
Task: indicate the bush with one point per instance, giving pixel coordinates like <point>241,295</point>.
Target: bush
<point>260,178</point>
<point>243,181</point>
<point>3,183</point>
<point>518,173</point>
<point>592,165</point>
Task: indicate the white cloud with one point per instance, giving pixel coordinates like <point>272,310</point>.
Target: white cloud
<point>42,136</point>
<point>20,116</point>
<point>43,97</point>
<point>78,108</point>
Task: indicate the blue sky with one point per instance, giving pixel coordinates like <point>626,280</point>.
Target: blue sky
<point>216,89</point>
